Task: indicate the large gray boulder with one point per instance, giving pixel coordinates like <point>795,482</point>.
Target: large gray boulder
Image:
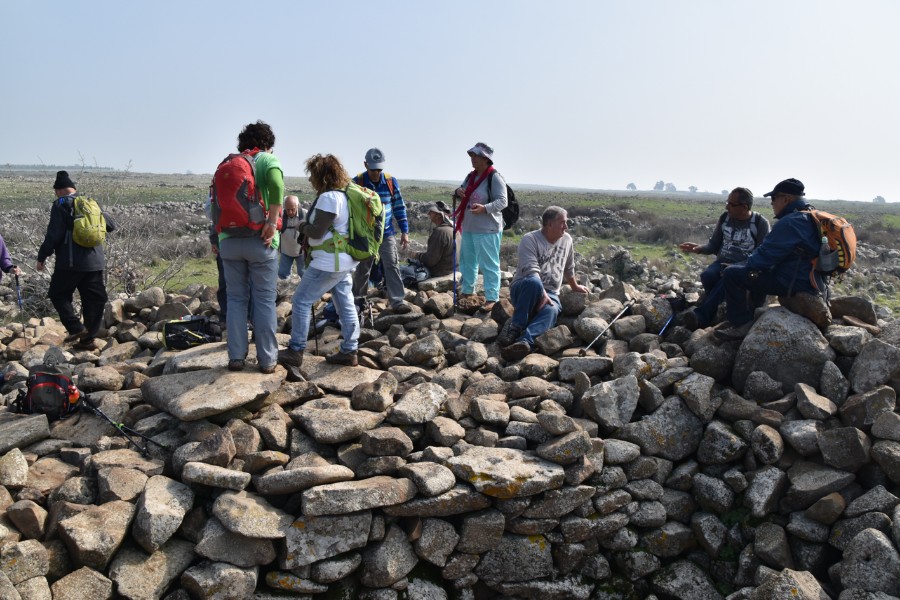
<point>788,347</point>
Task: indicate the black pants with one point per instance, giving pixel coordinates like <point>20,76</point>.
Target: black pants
<point>93,299</point>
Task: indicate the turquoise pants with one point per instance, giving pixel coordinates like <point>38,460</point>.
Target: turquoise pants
<point>481,250</point>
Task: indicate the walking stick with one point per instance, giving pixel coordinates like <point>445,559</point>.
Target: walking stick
<point>628,305</point>
<point>455,301</point>
<point>123,429</point>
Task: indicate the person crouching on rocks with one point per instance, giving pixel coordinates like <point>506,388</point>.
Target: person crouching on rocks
<point>546,258</point>
<point>330,211</point>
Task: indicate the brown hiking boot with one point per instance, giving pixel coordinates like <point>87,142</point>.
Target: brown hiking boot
<point>348,359</point>
<point>74,337</point>
<point>290,358</point>
<point>734,333</point>
<point>516,351</point>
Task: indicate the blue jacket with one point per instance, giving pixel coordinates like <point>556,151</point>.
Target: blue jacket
<point>394,207</point>
<point>789,249</point>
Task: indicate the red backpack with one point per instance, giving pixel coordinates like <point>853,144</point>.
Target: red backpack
<point>237,205</point>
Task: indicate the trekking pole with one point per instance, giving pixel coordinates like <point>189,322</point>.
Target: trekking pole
<point>21,306</point>
<point>455,303</point>
<point>628,305</point>
<point>123,429</point>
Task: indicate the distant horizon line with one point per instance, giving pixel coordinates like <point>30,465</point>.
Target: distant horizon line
<point>10,167</point>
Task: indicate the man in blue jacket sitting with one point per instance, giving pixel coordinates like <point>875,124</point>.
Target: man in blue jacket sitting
<point>782,265</point>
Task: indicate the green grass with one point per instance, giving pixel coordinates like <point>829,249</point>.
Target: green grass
<point>195,270</point>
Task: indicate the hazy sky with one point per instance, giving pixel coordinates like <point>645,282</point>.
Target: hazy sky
<point>594,93</point>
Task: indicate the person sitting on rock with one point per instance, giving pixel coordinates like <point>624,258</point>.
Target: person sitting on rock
<point>546,258</point>
<point>782,265</point>
<point>438,254</point>
<point>738,233</point>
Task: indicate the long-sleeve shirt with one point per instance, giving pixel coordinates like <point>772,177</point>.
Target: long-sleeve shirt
<point>6,262</point>
<point>394,206</point>
<point>553,263</point>
<point>494,202</point>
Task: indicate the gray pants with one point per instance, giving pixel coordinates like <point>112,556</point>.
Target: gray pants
<point>393,284</point>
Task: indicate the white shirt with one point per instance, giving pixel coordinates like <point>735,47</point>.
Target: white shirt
<point>333,202</point>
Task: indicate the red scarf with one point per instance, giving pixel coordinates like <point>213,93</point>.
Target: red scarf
<point>471,186</point>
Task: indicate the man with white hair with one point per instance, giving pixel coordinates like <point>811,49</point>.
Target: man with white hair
<point>546,258</point>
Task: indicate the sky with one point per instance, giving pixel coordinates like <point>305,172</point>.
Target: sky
<point>573,93</point>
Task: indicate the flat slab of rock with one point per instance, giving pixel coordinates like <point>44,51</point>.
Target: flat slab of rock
<point>301,478</point>
<point>352,496</point>
<point>461,499</point>
<point>335,378</point>
<point>251,515</point>
<point>19,431</point>
<point>197,395</point>
<point>505,472</point>
<point>47,474</point>
<point>314,538</point>
<point>331,420</point>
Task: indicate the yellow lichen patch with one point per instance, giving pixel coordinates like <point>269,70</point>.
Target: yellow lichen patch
<point>539,540</point>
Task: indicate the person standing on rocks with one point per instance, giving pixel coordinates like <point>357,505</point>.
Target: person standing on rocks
<point>388,189</point>
<point>77,267</point>
<point>250,262</point>
<point>546,258</point>
<point>291,242</point>
<point>330,211</point>
<point>479,217</point>
<point>737,234</point>
<point>782,265</point>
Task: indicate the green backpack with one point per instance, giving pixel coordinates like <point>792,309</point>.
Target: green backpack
<point>365,230</point>
<point>89,227</point>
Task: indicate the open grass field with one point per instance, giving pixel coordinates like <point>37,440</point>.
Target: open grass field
<point>168,246</point>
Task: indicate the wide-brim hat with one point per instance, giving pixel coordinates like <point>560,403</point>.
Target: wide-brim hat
<point>482,149</point>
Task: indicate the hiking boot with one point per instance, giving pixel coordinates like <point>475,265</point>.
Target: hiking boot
<point>74,337</point>
<point>348,359</point>
<point>516,351</point>
<point>691,320</point>
<point>290,358</point>
<point>85,343</point>
<point>401,309</point>
<point>509,333</point>
<point>267,370</point>
<point>487,307</point>
<point>738,332</point>
<point>236,364</point>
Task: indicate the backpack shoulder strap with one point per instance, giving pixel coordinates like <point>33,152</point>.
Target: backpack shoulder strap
<point>389,179</point>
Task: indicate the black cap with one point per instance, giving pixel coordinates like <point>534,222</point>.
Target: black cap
<point>791,186</point>
<point>63,181</point>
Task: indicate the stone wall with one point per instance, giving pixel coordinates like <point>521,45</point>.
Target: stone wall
<point>675,467</point>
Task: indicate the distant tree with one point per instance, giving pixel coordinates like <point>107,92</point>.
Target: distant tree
<point>692,189</point>
<point>660,186</point>
<point>879,200</point>
<point>631,187</point>
<point>725,192</point>
<point>670,187</point>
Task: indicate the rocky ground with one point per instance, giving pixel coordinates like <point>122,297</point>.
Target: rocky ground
<point>673,466</point>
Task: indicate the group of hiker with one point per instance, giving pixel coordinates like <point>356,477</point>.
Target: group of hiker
<point>256,242</point>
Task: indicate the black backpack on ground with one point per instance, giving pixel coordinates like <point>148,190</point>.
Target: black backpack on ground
<point>511,212</point>
<point>49,392</point>
<point>181,334</point>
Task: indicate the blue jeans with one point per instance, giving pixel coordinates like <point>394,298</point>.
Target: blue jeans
<point>285,263</point>
<point>250,269</point>
<point>312,286</point>
<point>526,294</point>
<point>481,249</point>
<point>390,266</point>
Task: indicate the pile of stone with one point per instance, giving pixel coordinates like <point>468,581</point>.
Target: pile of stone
<point>646,466</point>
